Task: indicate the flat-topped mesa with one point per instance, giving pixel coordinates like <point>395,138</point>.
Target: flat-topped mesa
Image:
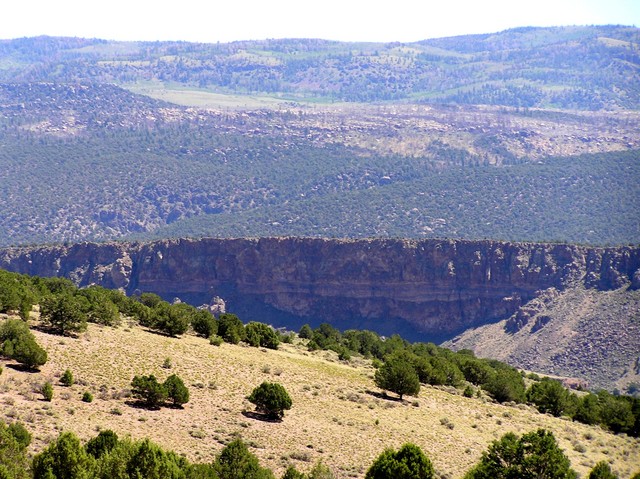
<point>429,289</point>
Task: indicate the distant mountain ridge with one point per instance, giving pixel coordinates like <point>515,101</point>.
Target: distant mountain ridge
<point>588,68</point>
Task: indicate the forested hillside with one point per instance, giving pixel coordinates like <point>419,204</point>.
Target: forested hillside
<point>587,68</point>
<point>84,161</point>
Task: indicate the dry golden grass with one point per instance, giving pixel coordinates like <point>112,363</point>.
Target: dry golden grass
<point>202,98</point>
<point>335,417</point>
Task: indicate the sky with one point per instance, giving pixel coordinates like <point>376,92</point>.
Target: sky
<point>345,20</point>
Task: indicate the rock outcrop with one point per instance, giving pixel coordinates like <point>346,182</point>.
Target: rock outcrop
<point>428,289</point>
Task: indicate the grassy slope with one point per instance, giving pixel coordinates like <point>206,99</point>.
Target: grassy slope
<point>333,418</point>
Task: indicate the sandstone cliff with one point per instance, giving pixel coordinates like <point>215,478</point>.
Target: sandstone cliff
<point>430,289</point>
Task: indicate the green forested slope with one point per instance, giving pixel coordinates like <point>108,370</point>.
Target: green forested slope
<point>570,67</point>
<point>591,199</point>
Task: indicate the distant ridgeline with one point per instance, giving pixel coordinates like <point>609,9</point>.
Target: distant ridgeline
<point>429,289</point>
<point>564,67</point>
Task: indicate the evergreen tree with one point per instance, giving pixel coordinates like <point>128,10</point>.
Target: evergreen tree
<point>305,332</point>
<point>535,455</point>
<point>588,411</point>
<point>204,324</point>
<point>176,390</point>
<point>616,412</point>
<point>293,473</point>
<point>170,319</point>
<point>602,470</point>
<point>230,328</point>
<point>549,396</point>
<point>149,461</point>
<point>148,390</point>
<point>506,385</point>
<point>409,462</point>
<point>64,458</point>
<point>13,454</point>
<point>20,434</point>
<point>19,344</point>
<point>398,375</point>
<point>236,462</point>
<point>260,334</point>
<point>63,314</point>
<point>271,399</point>
<point>104,442</point>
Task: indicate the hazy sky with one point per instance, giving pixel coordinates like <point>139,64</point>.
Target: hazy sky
<point>347,20</point>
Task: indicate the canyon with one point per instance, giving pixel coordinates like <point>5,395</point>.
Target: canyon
<point>437,288</point>
<point>427,290</point>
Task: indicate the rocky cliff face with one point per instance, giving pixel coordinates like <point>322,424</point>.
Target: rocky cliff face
<point>431,289</point>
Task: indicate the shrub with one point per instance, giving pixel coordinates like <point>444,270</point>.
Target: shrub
<point>148,390</point>
<point>47,391</point>
<point>87,397</point>
<point>320,471</point>
<point>19,344</point>
<point>176,390</point>
<point>67,378</point>
<point>215,340</point>
<point>271,399</point>
<point>409,462</point>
